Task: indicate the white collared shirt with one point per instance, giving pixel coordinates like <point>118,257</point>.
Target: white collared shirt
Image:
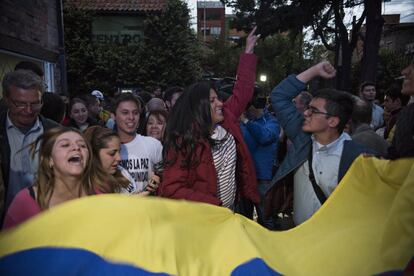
<point>325,165</point>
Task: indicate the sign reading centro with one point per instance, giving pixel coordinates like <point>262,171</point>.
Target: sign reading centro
<point>117,38</point>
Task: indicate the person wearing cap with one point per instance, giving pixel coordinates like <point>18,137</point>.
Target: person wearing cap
<point>98,94</point>
<point>102,115</point>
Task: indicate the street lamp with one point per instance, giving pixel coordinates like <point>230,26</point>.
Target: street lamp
<point>263,78</point>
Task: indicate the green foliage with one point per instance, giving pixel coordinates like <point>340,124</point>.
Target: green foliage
<point>169,54</point>
<point>274,16</point>
<point>389,67</point>
<point>278,56</point>
<point>221,58</point>
<point>326,19</point>
<point>172,47</point>
<point>78,47</point>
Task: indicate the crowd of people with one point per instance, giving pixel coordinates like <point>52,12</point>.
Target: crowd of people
<point>237,150</point>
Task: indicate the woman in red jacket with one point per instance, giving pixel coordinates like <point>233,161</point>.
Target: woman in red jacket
<point>205,157</point>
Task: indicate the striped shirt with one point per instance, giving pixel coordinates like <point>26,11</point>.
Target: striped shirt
<point>224,157</point>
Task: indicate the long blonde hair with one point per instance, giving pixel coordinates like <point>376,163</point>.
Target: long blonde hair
<point>45,179</point>
<point>98,137</point>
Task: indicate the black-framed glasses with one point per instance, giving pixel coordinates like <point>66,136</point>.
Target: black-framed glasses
<point>313,110</point>
<point>23,105</point>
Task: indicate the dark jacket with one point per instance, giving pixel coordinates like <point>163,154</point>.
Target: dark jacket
<point>366,136</point>
<point>200,183</point>
<point>5,148</point>
<point>403,142</point>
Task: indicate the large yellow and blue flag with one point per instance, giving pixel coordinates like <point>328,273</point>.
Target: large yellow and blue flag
<point>365,227</point>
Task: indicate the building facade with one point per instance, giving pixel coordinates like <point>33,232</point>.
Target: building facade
<point>211,20</point>
<point>397,37</point>
<point>118,21</point>
<point>33,31</point>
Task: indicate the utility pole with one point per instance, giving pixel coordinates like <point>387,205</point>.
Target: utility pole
<point>204,17</point>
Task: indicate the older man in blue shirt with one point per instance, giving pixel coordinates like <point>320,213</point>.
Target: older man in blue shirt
<point>20,125</point>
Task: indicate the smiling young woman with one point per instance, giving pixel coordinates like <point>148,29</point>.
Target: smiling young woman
<point>79,115</point>
<point>205,156</point>
<point>63,174</point>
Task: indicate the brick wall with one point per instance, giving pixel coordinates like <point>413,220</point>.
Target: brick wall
<point>29,31</point>
<point>30,21</point>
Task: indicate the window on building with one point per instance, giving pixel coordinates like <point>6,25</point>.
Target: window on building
<point>215,31</point>
<point>207,31</point>
<point>213,15</point>
<point>210,15</point>
<point>8,61</point>
<point>49,76</point>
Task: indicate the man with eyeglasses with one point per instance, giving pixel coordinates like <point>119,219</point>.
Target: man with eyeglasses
<point>321,152</point>
<point>20,125</point>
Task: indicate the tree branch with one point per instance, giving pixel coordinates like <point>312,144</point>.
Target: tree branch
<point>356,28</point>
<point>325,43</point>
<point>343,32</point>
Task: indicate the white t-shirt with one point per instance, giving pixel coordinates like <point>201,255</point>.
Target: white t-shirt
<point>139,156</point>
<point>132,187</point>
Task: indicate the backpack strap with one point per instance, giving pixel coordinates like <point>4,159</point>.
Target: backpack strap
<point>319,193</point>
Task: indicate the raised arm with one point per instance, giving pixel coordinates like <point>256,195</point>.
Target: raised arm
<point>323,69</point>
<point>251,41</point>
<point>246,76</point>
<point>289,117</point>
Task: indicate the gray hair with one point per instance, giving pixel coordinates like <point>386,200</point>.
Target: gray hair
<point>305,98</point>
<point>362,112</point>
<point>23,79</point>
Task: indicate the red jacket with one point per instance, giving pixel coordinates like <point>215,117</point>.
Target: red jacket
<point>200,183</point>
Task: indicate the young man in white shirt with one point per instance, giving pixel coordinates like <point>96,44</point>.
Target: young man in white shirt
<point>139,153</point>
<point>321,152</point>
